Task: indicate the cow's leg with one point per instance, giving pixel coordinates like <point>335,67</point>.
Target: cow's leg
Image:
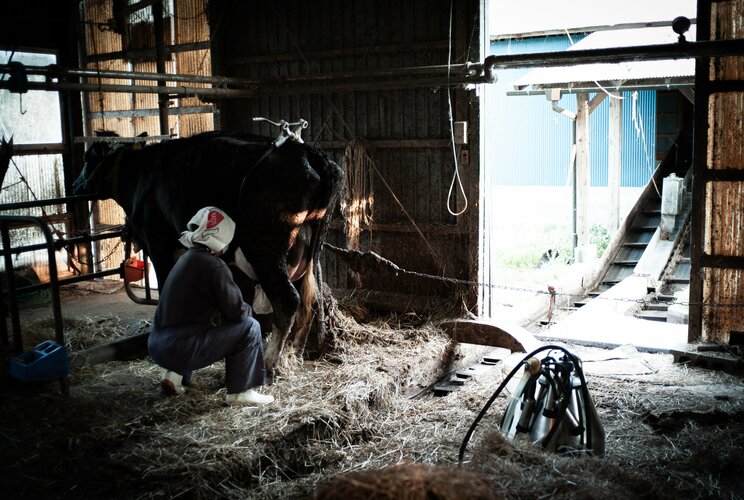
<point>285,301</point>
<point>308,294</point>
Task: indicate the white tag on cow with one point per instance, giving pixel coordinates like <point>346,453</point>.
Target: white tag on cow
<point>261,302</point>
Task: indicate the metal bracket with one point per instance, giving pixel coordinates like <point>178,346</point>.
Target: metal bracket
<point>287,130</point>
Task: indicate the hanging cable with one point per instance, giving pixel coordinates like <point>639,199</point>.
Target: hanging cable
<point>609,94</point>
<point>456,174</point>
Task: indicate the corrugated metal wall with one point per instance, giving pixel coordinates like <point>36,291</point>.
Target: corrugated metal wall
<point>405,132</point>
<point>533,142</point>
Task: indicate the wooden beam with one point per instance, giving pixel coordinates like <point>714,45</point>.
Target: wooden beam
<point>339,53</point>
<point>390,144</point>
<point>614,163</point>
<point>596,101</point>
<point>582,170</point>
<point>38,149</point>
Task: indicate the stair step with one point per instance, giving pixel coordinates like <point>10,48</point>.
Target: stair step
<point>655,306</point>
<point>625,262</point>
<point>665,298</point>
<point>652,315</point>
<point>678,280</point>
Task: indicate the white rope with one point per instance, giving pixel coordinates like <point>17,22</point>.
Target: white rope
<point>456,174</point>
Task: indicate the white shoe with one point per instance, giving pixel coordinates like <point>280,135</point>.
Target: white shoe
<point>171,383</point>
<point>249,397</point>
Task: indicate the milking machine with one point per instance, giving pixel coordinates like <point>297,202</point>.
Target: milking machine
<point>550,405</point>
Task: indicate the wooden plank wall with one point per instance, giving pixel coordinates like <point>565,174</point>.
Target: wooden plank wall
<point>404,131</point>
<point>720,177</point>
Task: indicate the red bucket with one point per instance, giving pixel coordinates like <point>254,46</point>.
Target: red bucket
<point>134,269</point>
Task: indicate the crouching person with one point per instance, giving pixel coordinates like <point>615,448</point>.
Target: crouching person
<point>183,337</point>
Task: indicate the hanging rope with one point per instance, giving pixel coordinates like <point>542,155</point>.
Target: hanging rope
<point>456,173</point>
<point>357,206</point>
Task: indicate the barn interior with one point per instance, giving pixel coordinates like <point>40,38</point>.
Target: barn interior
<point>406,395</point>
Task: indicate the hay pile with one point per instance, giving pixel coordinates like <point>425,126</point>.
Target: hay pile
<point>345,423</point>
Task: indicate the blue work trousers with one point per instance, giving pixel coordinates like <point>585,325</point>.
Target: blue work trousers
<point>184,349</point>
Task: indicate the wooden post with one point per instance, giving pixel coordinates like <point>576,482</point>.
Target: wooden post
<point>582,169</point>
<point>614,163</point>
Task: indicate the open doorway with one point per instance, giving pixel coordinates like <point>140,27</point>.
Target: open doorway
<point>569,153</point>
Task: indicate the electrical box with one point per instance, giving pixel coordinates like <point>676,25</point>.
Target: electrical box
<point>461,132</point>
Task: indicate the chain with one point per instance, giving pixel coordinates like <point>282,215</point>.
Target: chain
<point>551,291</point>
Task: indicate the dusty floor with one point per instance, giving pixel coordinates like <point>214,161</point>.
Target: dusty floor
<point>672,431</point>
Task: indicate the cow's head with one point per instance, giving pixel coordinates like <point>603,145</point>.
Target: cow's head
<point>99,167</point>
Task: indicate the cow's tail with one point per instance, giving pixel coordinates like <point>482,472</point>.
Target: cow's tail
<point>308,299</point>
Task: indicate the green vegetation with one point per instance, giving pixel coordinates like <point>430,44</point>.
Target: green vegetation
<point>598,235</point>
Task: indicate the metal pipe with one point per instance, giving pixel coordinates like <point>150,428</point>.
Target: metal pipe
<point>131,89</point>
<point>610,86</point>
<point>15,321</point>
<point>686,50</point>
<point>157,14</point>
<point>46,202</point>
<point>467,73</point>
<point>58,244</point>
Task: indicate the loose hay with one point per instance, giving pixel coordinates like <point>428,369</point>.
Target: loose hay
<point>345,417</point>
<point>408,482</point>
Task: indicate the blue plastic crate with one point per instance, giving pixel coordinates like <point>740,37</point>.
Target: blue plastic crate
<point>44,363</point>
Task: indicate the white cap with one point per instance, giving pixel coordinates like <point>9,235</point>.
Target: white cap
<point>210,227</point>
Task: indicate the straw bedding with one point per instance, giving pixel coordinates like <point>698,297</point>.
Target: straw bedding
<point>357,423</point>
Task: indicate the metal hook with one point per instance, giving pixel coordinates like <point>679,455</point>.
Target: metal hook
<point>20,104</point>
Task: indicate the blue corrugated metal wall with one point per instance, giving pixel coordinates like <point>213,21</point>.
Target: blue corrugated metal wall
<point>530,144</point>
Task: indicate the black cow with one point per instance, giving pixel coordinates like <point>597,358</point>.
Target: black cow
<point>271,192</point>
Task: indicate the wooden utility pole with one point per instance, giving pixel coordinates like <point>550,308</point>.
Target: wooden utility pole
<point>614,163</point>
<point>582,169</point>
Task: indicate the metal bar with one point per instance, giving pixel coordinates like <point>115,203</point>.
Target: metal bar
<point>70,280</point>
<point>611,86</point>
<point>147,138</point>
<point>135,113</point>
<point>588,29</point>
<point>686,50</point>
<point>53,281</point>
<point>130,89</point>
<point>45,202</point>
<point>6,220</point>
<point>157,13</point>
<point>147,53</point>
<point>64,242</point>
<point>54,71</point>
<point>12,295</point>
